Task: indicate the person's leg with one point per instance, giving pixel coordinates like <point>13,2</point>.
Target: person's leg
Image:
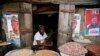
<point>33,48</point>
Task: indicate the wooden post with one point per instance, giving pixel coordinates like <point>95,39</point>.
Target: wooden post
<point>26,25</point>
<point>65,15</point>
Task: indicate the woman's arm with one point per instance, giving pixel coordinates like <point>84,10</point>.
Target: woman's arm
<point>38,42</point>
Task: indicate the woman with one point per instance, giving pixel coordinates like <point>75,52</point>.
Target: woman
<point>40,38</point>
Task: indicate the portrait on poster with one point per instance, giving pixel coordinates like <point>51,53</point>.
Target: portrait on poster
<point>12,33</point>
<point>92,22</point>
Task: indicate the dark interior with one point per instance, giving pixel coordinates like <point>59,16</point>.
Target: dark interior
<point>50,21</point>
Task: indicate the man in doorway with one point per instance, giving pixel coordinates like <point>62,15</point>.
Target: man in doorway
<point>40,38</point>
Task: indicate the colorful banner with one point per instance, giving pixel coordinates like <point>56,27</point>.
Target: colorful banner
<point>76,24</point>
<point>92,22</point>
<point>13,35</point>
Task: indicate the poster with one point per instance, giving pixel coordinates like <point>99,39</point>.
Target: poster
<point>76,24</point>
<point>12,34</point>
<point>92,22</point>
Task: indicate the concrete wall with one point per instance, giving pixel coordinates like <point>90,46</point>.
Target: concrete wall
<point>81,11</point>
<point>66,13</point>
<point>24,11</point>
<point>11,7</point>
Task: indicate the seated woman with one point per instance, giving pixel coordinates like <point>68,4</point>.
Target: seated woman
<point>40,39</point>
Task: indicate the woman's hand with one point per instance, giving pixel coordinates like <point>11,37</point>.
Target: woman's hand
<point>42,47</point>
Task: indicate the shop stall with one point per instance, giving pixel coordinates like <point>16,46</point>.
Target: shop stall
<point>78,29</point>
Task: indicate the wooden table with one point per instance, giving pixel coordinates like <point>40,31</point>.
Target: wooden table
<point>84,42</point>
<point>4,43</point>
<point>4,47</point>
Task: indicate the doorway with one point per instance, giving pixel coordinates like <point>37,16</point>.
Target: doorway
<point>47,16</point>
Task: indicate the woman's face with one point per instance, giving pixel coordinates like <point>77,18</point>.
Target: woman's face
<point>15,26</point>
<point>74,23</point>
<point>42,30</point>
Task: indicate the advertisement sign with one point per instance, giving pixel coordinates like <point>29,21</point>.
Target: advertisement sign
<point>13,35</point>
<point>76,24</point>
<point>92,22</point>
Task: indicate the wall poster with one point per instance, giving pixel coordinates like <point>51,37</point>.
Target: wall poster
<point>92,22</point>
<point>12,33</point>
<point>76,24</point>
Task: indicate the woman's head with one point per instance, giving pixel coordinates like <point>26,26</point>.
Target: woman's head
<point>41,29</point>
<point>15,24</point>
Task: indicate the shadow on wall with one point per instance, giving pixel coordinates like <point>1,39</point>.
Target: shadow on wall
<point>2,31</point>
